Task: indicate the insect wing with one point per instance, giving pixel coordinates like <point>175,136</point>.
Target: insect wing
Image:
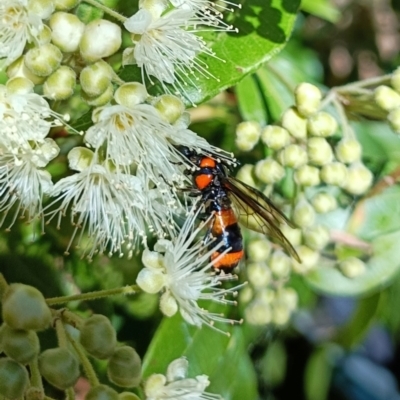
<point>258,213</point>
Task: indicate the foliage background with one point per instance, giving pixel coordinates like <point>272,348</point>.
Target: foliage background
<point>343,341</point>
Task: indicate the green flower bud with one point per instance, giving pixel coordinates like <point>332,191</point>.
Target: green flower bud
<point>316,237</point>
<point>303,214</point>
<point>294,123</point>
<point>96,78</point>
<point>168,304</point>
<point>292,234</point>
<point>322,124</point>
<point>24,307</point>
<point>386,98</point>
<point>41,8</point>
<point>352,267</point>
<point>18,69</point>
<point>280,314</point>
<point>319,151</point>
<point>348,151</point>
<point>308,99</point>
<point>289,297</point>
<point>324,202</point>
<point>150,280</point>
<point>395,80</point>
<point>309,260</point>
<point>80,158</point>
<point>307,175</point>
<point>245,294</point>
<point>60,84</point>
<point>155,7</point>
<point>101,392</point>
<point>258,312</point>
<point>22,346</point>
<point>280,264</point>
<point>19,85</point>
<point>245,174</point>
<point>359,179</point>
<point>247,135</point>
<point>67,31</point>
<point>59,367</point>
<point>101,100</point>
<point>65,5</point>
<point>394,119</point>
<point>43,60</point>
<point>124,367</point>
<point>258,274</point>
<point>275,137</point>
<point>334,174</point>
<point>259,250</point>
<point>44,36</point>
<point>92,49</point>
<point>14,379</point>
<point>98,336</point>
<point>170,107</point>
<point>127,396</point>
<point>269,171</point>
<point>293,156</point>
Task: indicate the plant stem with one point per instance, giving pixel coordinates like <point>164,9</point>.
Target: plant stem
<point>93,295</point>
<point>70,394</point>
<point>107,10</point>
<point>36,377</point>
<point>61,333</point>
<point>3,285</point>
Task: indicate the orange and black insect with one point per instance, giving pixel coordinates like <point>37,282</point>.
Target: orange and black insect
<point>219,193</point>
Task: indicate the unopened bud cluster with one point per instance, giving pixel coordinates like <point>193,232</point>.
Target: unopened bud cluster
<point>25,312</point>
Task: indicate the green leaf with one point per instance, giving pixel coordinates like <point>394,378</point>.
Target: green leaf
<point>321,8</point>
<point>382,267</point>
<point>264,28</point>
<point>223,359</point>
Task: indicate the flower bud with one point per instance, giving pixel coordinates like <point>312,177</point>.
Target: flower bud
<point>20,345</point>
<point>386,98</point>
<point>258,312</point>
<point>324,202</point>
<point>153,385</point>
<point>316,237</point>
<point>275,137</point>
<point>352,267</point>
<point>309,259</point>
<point>44,36</point>
<point>303,214</point>
<point>269,171</point>
<point>294,123</point>
<point>289,297</point>
<point>168,304</point>
<point>127,396</point>
<point>95,78</point>
<point>293,156</point>
<point>334,174</point>
<point>319,151</point>
<point>307,175</point>
<point>14,379</point>
<point>245,174</point>
<point>101,392</point>
<point>79,158</point>
<point>258,274</point>
<point>152,259</point>
<point>98,336</point>
<point>19,69</point>
<point>60,84</point>
<point>59,367</point>
<point>280,314</point>
<point>41,8</point>
<point>280,264</point>
<point>102,99</point>
<point>292,234</point>
<point>24,307</point>
<point>124,367</point>
<point>259,250</point>
<point>308,99</point>
<point>348,151</point>
<point>359,179</point>
<point>394,119</point>
<point>43,60</point>
<point>93,49</point>
<point>65,5</point>
<point>245,294</point>
<point>395,80</point>
<point>247,135</point>
<point>151,281</point>
<point>155,7</point>
<point>67,31</point>
<point>19,85</point>
<point>170,107</point>
<point>322,124</point>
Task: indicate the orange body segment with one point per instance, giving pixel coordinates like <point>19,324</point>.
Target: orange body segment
<point>228,261</point>
<point>207,162</point>
<point>203,180</point>
<point>223,219</point>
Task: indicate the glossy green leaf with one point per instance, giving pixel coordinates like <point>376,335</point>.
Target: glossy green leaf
<point>264,28</point>
<point>382,267</point>
<point>223,359</point>
<point>321,8</point>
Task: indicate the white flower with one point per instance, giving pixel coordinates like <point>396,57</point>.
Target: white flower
<point>175,385</point>
<point>116,208</point>
<point>19,25</point>
<point>22,181</point>
<point>183,270</point>
<point>165,48</point>
<point>137,135</point>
